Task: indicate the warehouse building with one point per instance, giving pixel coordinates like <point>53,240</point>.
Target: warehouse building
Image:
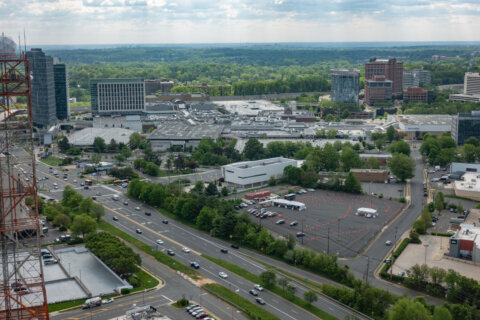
<point>469,187</point>
<point>252,174</point>
<point>415,126</point>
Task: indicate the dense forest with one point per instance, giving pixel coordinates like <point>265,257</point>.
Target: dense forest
<point>247,70</point>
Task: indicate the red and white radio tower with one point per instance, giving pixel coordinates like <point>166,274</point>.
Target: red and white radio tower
<point>22,288</point>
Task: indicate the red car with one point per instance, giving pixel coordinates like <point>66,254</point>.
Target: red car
<point>201,316</point>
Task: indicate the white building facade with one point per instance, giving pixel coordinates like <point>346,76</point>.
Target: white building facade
<point>252,174</point>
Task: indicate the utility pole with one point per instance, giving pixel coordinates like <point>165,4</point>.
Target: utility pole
<point>302,232</point>
<point>368,266</point>
<point>393,257</point>
<point>328,242</point>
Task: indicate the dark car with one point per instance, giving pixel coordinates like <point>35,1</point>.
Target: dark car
<point>195,265</point>
<point>85,187</point>
<point>293,223</point>
<point>94,198</point>
<point>170,252</point>
<point>115,218</point>
<point>300,234</point>
<point>235,246</point>
<point>223,250</point>
<point>165,221</point>
<point>138,231</point>
<point>148,213</point>
<point>260,301</point>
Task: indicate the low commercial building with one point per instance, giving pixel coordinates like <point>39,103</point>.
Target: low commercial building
<point>182,133</point>
<point>381,158</point>
<point>304,116</point>
<point>133,122</point>
<point>371,175</point>
<point>252,174</point>
<point>464,167</point>
<point>415,126</point>
<point>464,97</point>
<point>469,187</point>
<point>465,243</point>
<point>412,95</point>
<point>86,137</point>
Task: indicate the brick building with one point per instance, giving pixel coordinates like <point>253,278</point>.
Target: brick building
<point>378,89</point>
<point>390,68</point>
<point>371,175</point>
<point>417,95</point>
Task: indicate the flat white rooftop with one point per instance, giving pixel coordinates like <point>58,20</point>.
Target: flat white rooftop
<point>471,182</point>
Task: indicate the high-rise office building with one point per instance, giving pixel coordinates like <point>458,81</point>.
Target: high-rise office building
<point>413,78</point>
<point>471,83</point>
<point>378,89</point>
<point>43,88</point>
<point>117,96</point>
<point>345,85</point>
<point>466,125</point>
<point>390,68</point>
<point>61,91</point>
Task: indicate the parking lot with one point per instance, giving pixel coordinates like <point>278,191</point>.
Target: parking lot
<point>329,223</point>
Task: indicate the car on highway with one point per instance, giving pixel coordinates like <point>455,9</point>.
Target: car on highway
<point>195,265</point>
<point>85,187</point>
<point>138,231</point>
<point>253,292</point>
<point>281,221</point>
<point>234,246</point>
<point>94,198</point>
<point>223,250</point>
<point>159,241</point>
<point>137,208</point>
<point>311,190</point>
<point>186,250</point>
<point>165,221</point>
<point>82,184</point>
<point>223,275</point>
<point>260,301</point>
<point>300,234</point>
<point>293,223</point>
<point>125,203</point>
<point>75,181</point>
<point>148,213</point>
<point>258,287</point>
<point>55,187</point>
<point>115,218</point>
<point>388,243</point>
<point>107,301</point>
<point>170,252</point>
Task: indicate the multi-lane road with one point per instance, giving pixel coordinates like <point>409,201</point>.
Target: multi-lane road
<point>177,236</point>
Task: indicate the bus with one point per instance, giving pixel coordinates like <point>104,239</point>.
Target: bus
<point>290,196</point>
<point>88,182</point>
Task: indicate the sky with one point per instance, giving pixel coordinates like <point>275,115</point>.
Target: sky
<point>238,21</point>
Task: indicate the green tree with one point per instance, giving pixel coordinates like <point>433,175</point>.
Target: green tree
<point>408,309</point>
<point>253,149</point>
<point>372,163</point>
<point>152,169</point>
<point>99,145</point>
<point>441,313</point>
<point>224,191</point>
<point>96,159</point>
<point>469,153</point>
<point>350,159</point>
<point>83,224</point>
<point>473,141</point>
<point>268,278</point>
<point>310,296</point>
<point>330,157</point>
<point>282,282</point>
<point>134,140</point>
<point>352,184</point>
<point>272,181</point>
<point>61,220</point>
<point>331,133</point>
<point>400,147</point>
<point>390,133</point>
<point>97,211</point>
<point>211,189</point>
<point>439,201</point>
<point>64,145</point>
<point>402,166</point>
<point>291,290</point>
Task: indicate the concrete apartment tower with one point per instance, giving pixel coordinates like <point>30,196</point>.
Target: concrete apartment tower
<point>43,88</point>
<point>345,85</point>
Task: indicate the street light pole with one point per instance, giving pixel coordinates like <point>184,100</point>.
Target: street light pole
<point>426,246</point>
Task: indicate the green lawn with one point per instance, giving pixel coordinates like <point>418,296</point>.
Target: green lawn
<point>159,256</point>
<point>275,289</point>
<point>52,161</point>
<point>251,310</point>
<point>65,305</point>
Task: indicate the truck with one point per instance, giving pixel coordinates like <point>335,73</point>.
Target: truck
<point>115,197</point>
<point>92,302</point>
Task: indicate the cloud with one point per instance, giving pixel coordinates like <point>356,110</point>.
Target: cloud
<point>89,21</point>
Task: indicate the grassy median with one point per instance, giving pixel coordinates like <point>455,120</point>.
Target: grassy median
<point>275,289</point>
<point>159,256</point>
<point>251,310</point>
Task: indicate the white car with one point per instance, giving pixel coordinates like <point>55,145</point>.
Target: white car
<point>258,287</point>
<point>75,181</point>
<point>107,301</point>
<point>159,241</point>
<point>186,250</point>
<point>223,275</point>
<point>137,208</point>
<point>388,242</point>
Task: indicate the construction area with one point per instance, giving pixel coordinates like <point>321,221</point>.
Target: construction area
<point>22,288</point>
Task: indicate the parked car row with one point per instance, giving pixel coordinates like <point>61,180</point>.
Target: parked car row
<point>47,257</point>
<point>261,213</point>
<point>197,312</point>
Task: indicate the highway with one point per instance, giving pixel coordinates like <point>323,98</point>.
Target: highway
<point>176,236</point>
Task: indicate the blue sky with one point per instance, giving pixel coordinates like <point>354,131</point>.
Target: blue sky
<point>204,21</point>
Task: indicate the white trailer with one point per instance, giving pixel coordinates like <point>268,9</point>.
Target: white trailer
<point>367,212</point>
